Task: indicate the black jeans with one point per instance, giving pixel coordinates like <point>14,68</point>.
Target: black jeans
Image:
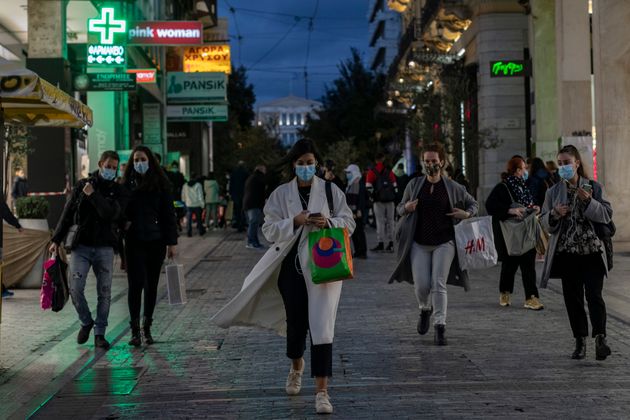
<point>144,263</point>
<point>583,274</point>
<point>238,216</point>
<point>293,290</point>
<point>358,239</point>
<point>527,263</point>
<point>197,211</point>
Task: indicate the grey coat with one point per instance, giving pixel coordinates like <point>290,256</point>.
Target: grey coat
<point>406,229</point>
<point>598,210</point>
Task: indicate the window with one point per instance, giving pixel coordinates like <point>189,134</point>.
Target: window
<point>302,115</point>
<point>282,118</point>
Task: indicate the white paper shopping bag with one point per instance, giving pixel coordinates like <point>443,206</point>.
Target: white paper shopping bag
<point>475,243</point>
<point>175,283</point>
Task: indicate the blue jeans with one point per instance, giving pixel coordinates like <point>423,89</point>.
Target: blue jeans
<point>101,259</point>
<point>254,219</point>
<point>197,211</point>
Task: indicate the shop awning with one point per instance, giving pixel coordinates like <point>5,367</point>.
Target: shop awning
<point>27,99</point>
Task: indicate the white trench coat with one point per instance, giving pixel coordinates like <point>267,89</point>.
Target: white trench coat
<point>259,302</point>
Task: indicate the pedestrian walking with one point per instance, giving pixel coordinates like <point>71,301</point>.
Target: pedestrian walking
<point>20,185</point>
<point>283,275</point>
<point>381,182</point>
<point>331,176</point>
<point>89,227</point>
<point>539,180</point>
<point>427,257</point>
<point>552,167</point>
<point>177,182</point>
<point>357,198</point>
<point>7,216</point>
<point>151,235</point>
<point>192,196</point>
<point>211,193</point>
<point>253,204</point>
<point>572,212</point>
<point>238,177</point>
<point>512,199</point>
<point>402,179</point>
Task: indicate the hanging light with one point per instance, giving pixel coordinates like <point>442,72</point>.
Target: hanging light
<point>412,64</point>
<point>390,103</point>
<point>401,80</point>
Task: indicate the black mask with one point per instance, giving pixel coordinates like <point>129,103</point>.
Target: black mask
<point>432,169</point>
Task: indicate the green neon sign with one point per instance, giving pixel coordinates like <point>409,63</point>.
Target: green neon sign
<point>106,26</point>
<point>508,68</point>
<point>108,35</point>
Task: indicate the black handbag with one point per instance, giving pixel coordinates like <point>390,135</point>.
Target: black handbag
<point>58,273</point>
<point>605,233</point>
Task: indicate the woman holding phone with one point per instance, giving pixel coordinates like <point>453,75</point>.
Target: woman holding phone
<point>279,293</point>
<point>576,254</point>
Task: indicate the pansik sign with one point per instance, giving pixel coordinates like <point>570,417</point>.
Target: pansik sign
<point>197,112</point>
<point>165,33</point>
<point>196,87</point>
<point>509,68</point>
<point>208,58</point>
<point>105,82</point>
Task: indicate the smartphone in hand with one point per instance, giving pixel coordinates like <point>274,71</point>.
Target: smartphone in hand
<point>587,187</point>
<point>314,215</point>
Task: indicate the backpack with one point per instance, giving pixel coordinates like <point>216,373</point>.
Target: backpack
<point>384,190</point>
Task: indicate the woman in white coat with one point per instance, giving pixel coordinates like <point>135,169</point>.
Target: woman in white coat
<point>279,293</point>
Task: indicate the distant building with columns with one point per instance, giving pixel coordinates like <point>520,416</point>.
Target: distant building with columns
<point>283,118</point>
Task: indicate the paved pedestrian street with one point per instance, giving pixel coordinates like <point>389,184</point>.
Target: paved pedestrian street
<point>500,362</point>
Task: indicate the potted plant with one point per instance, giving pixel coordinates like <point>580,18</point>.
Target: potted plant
<point>32,213</point>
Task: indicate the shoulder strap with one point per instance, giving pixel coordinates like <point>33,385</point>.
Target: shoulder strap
<point>329,198</point>
<point>509,192</point>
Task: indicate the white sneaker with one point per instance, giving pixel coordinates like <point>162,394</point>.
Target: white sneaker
<point>322,403</point>
<point>294,381</point>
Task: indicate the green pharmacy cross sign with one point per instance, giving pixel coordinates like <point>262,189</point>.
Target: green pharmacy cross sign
<point>509,68</point>
<point>106,52</point>
<point>107,26</point>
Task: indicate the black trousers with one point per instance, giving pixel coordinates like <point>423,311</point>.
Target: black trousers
<point>144,263</point>
<point>295,297</point>
<point>583,275</point>
<point>358,238</point>
<point>527,263</point>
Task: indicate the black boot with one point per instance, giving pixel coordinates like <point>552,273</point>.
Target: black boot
<point>136,338</point>
<point>580,349</point>
<point>379,247</point>
<point>440,338</point>
<point>100,342</point>
<point>84,333</point>
<point>602,351</point>
<point>424,320</point>
<point>146,326</point>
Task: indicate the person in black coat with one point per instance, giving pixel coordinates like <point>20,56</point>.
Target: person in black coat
<point>329,174</point>
<point>357,198</point>
<point>151,235</point>
<point>238,177</point>
<point>511,198</point>
<point>6,215</point>
<point>94,210</point>
<point>539,181</point>
<point>253,204</point>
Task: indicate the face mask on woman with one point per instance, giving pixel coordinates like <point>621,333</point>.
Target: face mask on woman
<point>305,172</point>
<point>108,174</point>
<point>566,171</point>
<point>431,169</point>
<point>141,166</point>
<point>525,175</point>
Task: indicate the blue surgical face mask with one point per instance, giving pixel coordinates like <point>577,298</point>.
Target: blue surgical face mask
<point>525,175</point>
<point>141,166</point>
<point>305,172</point>
<point>108,174</point>
<point>566,171</point>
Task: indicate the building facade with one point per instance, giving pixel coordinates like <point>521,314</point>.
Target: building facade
<point>384,31</point>
<point>284,118</point>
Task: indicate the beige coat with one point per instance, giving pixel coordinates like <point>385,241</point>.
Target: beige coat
<point>259,302</point>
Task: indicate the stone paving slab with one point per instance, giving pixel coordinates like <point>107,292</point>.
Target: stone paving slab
<point>500,362</point>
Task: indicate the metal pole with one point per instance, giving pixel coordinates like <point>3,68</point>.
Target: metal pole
<point>211,146</point>
<point>2,156</point>
<point>528,107</point>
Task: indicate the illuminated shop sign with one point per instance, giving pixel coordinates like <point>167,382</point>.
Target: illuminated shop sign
<point>106,39</point>
<point>208,58</point>
<point>165,33</point>
<point>144,75</point>
<point>509,68</point>
<point>105,82</point>
<point>196,87</point>
<point>218,112</point>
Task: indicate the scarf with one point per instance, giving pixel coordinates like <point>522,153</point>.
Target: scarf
<point>520,192</point>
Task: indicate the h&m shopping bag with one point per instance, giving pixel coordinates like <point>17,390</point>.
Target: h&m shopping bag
<point>331,255</point>
<point>175,283</point>
<point>475,243</point>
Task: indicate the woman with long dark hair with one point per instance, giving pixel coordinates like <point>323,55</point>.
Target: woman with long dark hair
<point>151,235</point>
<point>572,211</point>
<point>538,181</point>
<point>279,293</point>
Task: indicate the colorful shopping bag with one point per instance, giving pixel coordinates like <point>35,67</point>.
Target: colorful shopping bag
<point>47,290</point>
<point>331,255</point>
